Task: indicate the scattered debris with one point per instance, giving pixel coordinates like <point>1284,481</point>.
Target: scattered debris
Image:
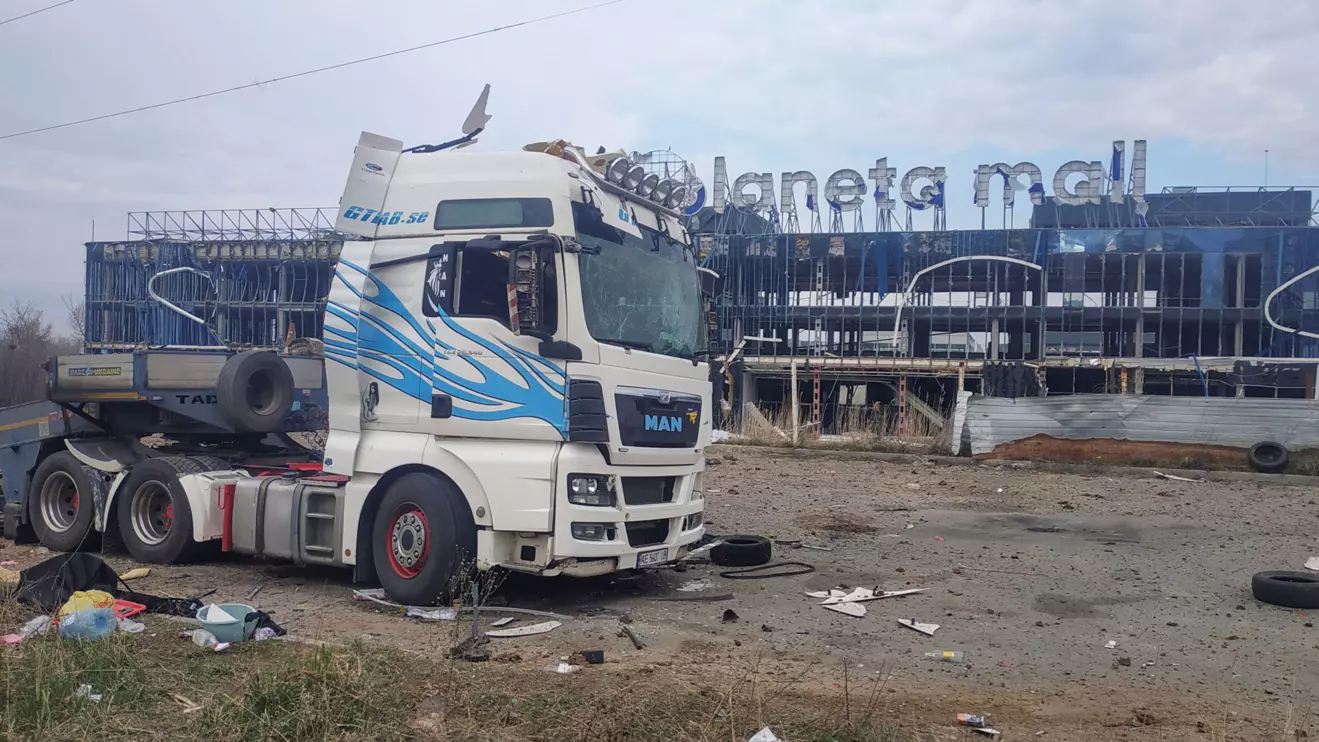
<point>695,586</point>
<point>764,735</point>
<point>925,628</point>
<point>793,569</point>
<point>913,486</point>
<point>35,627</point>
<point>850,609</point>
<point>977,723</point>
<point>9,563</point>
<point>475,648</point>
<point>1176,478</point>
<point>129,626</point>
<point>730,615</point>
<point>742,551</point>
<point>135,574</point>
<point>996,571</point>
<point>531,630</point>
<point>766,628</point>
<point>701,551</point>
<point>909,526</point>
<point>1124,662</point>
<point>85,691</point>
<point>1110,644</point>
<point>863,594</point>
<point>563,668</point>
<point>431,614</point>
<point>204,638</point>
<point>627,631</point>
<point>255,590</point>
<point>946,656</point>
<point>188,705</point>
<point>593,656</point>
<point>696,598</point>
<point>504,621</point>
<point>1312,564</point>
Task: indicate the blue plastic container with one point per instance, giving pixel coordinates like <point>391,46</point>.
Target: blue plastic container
<point>92,624</point>
<point>231,631</point>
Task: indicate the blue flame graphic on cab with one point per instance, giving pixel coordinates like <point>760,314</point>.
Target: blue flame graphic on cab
<point>422,363</point>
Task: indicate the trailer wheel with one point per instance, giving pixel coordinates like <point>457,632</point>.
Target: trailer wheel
<point>60,502</point>
<point>155,520</point>
<point>255,391</point>
<point>423,538</point>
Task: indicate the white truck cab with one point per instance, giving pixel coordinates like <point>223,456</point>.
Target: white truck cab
<point>513,361</point>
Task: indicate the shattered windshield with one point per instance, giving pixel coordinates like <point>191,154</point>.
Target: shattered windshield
<point>638,292</point>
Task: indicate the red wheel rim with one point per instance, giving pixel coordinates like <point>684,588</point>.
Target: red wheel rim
<point>409,541</point>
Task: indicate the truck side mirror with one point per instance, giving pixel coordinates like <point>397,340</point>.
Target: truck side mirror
<point>526,279</point>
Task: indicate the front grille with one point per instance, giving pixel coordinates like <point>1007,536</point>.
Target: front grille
<point>647,532</point>
<point>648,490</point>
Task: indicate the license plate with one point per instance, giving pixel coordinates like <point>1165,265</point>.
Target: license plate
<point>653,558</point>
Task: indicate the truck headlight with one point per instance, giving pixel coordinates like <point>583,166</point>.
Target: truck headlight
<point>590,489</point>
<point>593,531</point>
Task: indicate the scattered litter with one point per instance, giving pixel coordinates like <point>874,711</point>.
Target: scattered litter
<point>909,526</point>
<point>627,631</point>
<point>939,539</point>
<point>264,633</point>
<point>998,491</point>
<point>431,614</point>
<point>85,691</point>
<point>504,621</point>
<point>1312,564</point>
<point>475,648</point>
<point>925,628</point>
<point>977,723</point>
<point>215,614</point>
<point>188,705</point>
<point>129,626</point>
<point>730,615</point>
<point>946,656</point>
<point>378,597</point>
<point>695,586</point>
<point>530,630</point>
<point>850,609</point>
<point>9,563</point>
<point>813,547</point>
<point>371,594</point>
<point>864,594</point>
<point>701,551</point>
<point>764,735</point>
<point>793,569</point>
<point>996,571</point>
<point>1175,478</point>
<point>913,486</point>
<point>255,590</point>
<point>204,638</point>
<point>135,574</point>
<point>593,656</point>
<point>92,624</point>
<point>563,668</point>
<point>818,594</point>
<point>1110,644</point>
<point>36,627</point>
<point>987,731</point>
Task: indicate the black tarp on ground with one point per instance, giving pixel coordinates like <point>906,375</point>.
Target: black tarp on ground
<point>48,585</point>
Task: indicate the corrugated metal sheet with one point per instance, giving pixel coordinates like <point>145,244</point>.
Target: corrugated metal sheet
<point>1210,421</point>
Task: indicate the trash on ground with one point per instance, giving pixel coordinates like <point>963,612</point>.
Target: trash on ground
<point>135,574</point>
<point>1175,478</point>
<point>188,705</point>
<point>504,621</point>
<point>730,615</point>
<point>1110,644</point>
<point>946,656</point>
<point>374,593</point>
<point>819,593</point>
<point>205,639</point>
<point>593,656</point>
<point>850,609</point>
<point>254,591</point>
<point>86,600</point>
<point>971,720</point>
<point>530,630</point>
<point>864,594</point>
<point>35,627</point>
<point>636,641</point>
<point>85,691</point>
<point>913,486</point>
<point>909,526</point>
<point>90,624</point>
<point>765,571</point>
<point>764,735</point>
<point>925,628</point>
<point>695,586</point>
<point>987,731</point>
<point>1312,564</point>
<point>813,547</point>
<point>701,551</point>
<point>563,668</point>
<point>263,633</point>
<point>431,614</point>
<point>475,648</point>
<point>129,626</point>
<point>378,597</point>
<point>215,614</point>
<point>9,563</point>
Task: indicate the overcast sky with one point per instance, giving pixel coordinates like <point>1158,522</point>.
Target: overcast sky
<point>772,85</point>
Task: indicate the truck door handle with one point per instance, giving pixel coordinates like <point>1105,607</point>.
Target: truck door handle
<point>441,406</point>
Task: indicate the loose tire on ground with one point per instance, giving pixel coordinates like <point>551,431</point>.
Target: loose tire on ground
<point>1267,457</point>
<point>254,392</point>
<point>1286,589</point>
<point>155,519</point>
<point>61,507</point>
<point>423,538</point>
<point>742,551</point>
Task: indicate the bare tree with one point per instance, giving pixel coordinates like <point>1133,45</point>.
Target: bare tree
<point>77,318</point>
<point>26,342</point>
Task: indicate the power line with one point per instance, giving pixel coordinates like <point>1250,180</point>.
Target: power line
<point>39,10</point>
<point>282,78</point>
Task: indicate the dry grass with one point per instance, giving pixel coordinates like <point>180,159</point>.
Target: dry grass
<point>857,429</point>
<point>156,686</point>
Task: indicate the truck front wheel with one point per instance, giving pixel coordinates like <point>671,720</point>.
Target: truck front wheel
<point>424,540</point>
<point>60,502</point>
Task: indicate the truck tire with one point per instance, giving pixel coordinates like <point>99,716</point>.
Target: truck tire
<point>155,519</point>
<point>423,540</point>
<point>742,551</point>
<point>255,391</point>
<point>60,502</point>
<point>1267,457</point>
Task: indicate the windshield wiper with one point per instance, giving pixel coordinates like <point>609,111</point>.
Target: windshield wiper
<point>633,344</point>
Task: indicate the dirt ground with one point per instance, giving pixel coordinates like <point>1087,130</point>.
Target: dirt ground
<point>1028,573</point>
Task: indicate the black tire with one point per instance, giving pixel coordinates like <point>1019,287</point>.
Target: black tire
<point>1267,457</point>
<point>742,551</point>
<point>440,512</point>
<point>67,523</point>
<point>1286,589</point>
<point>167,542</point>
<point>255,391</point>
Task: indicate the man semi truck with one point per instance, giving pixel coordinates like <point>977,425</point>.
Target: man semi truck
<point>512,371</point>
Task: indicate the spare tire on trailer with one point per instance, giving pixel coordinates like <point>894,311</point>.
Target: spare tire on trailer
<point>1267,457</point>
<point>255,391</point>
